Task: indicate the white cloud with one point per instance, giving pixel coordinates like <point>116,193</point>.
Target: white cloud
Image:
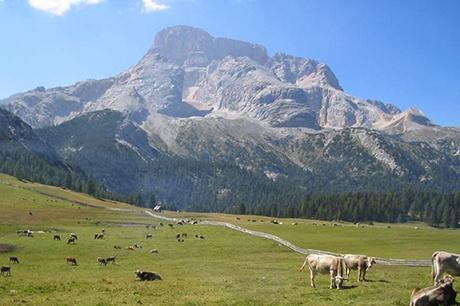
<point>154,6</point>
<point>59,7</point>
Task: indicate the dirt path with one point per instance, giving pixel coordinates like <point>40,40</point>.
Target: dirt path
<point>382,261</point>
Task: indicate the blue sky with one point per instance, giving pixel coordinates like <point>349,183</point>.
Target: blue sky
<point>403,52</point>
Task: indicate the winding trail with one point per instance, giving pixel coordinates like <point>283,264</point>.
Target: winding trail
<point>382,261</point>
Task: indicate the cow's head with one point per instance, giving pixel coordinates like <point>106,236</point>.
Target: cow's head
<point>339,281</point>
<point>370,262</point>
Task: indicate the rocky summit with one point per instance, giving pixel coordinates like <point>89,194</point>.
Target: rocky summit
<point>198,111</point>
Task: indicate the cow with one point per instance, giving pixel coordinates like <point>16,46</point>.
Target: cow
<point>74,236</point>
<point>325,264</point>
<point>154,251</point>
<point>117,247</point>
<point>71,261</point>
<point>98,236</point>
<point>177,236</point>
<point>444,262</point>
<point>71,240</point>
<point>130,248</point>
<point>137,246</point>
<point>170,225</point>
<point>441,294</point>
<point>184,235</point>
<point>362,263</point>
<point>148,236</point>
<point>14,259</point>
<point>5,270</point>
<point>201,237</point>
<point>57,237</point>
<point>110,259</point>
<point>147,276</point>
<point>102,261</point>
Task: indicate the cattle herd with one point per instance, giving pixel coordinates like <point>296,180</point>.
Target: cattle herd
<point>445,266</point>
<point>441,293</point>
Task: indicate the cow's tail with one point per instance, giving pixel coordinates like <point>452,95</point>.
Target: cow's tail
<point>434,268</point>
<point>304,263</point>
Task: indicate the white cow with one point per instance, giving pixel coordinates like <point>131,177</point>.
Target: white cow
<point>362,263</point>
<point>444,262</point>
<point>325,264</point>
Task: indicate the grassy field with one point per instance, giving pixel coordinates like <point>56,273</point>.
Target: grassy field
<point>226,268</point>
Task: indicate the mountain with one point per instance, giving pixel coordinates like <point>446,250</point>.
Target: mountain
<point>206,122</point>
<point>24,154</point>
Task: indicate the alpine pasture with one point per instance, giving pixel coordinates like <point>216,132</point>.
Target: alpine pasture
<point>225,268</point>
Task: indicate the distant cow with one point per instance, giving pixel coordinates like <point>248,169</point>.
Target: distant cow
<point>154,251</point>
<point>148,236</point>
<point>444,262</point>
<point>71,261</point>
<point>362,263</point>
<point>177,236</point>
<point>130,248</point>
<point>98,236</point>
<point>5,270</point>
<point>170,225</point>
<point>110,259</point>
<point>117,247</point>
<point>14,259</point>
<point>71,240</point>
<point>441,294</point>
<point>137,246</point>
<point>57,237</point>
<point>74,236</point>
<point>184,235</point>
<point>325,264</point>
<point>147,276</point>
<point>201,237</point>
<point>102,261</point>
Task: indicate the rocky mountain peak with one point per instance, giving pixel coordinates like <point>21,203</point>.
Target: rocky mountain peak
<point>195,47</point>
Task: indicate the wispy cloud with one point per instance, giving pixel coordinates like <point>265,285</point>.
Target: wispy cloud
<point>154,6</point>
<point>59,7</point>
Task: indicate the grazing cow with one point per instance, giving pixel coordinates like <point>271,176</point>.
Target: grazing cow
<point>14,259</point>
<point>102,261</point>
<point>177,236</point>
<point>110,259</point>
<point>148,236</point>
<point>147,276</point>
<point>130,248</point>
<point>362,263</point>
<point>325,264</point>
<point>196,236</point>
<point>238,218</point>
<point>99,236</point>
<point>117,247</point>
<point>74,236</point>
<point>57,237</point>
<point>71,261</point>
<point>201,237</point>
<point>161,224</point>
<point>137,246</point>
<point>5,271</point>
<point>71,240</point>
<point>170,225</point>
<point>444,262</point>
<point>154,251</point>
<point>441,294</point>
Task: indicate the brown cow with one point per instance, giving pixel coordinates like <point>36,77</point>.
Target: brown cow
<point>14,259</point>
<point>147,276</point>
<point>5,270</point>
<point>325,264</point>
<point>441,294</point>
<point>71,261</point>
<point>444,262</point>
<point>362,263</point>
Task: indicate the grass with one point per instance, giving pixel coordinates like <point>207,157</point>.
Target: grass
<point>226,268</point>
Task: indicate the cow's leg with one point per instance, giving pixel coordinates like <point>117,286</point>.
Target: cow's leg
<point>332,279</point>
<point>347,271</point>
<point>312,278</point>
<point>364,275</point>
<point>359,273</point>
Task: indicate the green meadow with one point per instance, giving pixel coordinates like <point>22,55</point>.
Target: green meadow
<point>225,268</point>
